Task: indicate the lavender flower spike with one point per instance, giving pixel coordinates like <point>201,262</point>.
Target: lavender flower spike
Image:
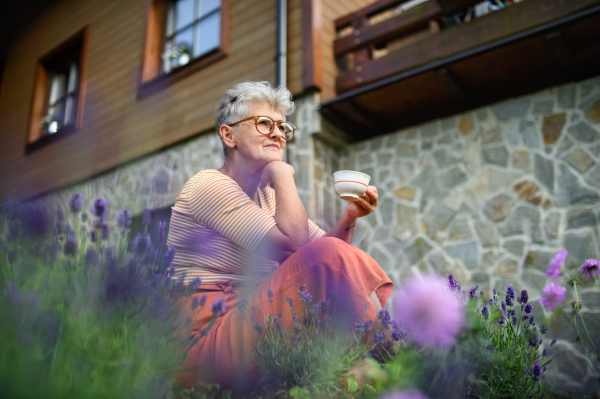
<point>146,216</point>
<point>429,312</point>
<point>537,372</point>
<point>76,202</point>
<point>591,268</point>
<point>552,295</point>
<point>556,264</point>
<point>100,208</point>
<point>452,284</point>
<point>124,220</point>
<point>218,307</point>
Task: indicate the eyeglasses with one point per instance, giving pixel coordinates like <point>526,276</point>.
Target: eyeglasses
<point>265,125</point>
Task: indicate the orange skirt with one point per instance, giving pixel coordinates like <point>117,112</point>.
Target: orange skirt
<point>328,266</point>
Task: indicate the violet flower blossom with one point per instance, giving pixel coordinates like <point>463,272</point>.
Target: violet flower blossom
<point>146,216</point>
<point>429,312</point>
<point>556,264</point>
<point>124,220</point>
<point>100,208</point>
<point>218,307</point>
<point>537,372</point>
<point>162,237</point>
<point>552,295</point>
<point>76,202</point>
<point>590,268</point>
<point>452,284</point>
<point>524,297</point>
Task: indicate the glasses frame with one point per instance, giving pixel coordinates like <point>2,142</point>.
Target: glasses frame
<point>255,118</point>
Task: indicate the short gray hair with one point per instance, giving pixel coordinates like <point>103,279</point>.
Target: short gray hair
<point>236,104</point>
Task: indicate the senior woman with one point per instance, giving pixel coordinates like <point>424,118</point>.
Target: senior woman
<point>243,230</point>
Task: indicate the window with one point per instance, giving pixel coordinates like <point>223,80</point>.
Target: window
<point>181,37</point>
<point>58,94</point>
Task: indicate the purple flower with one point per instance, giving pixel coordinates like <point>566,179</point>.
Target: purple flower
<point>169,255</point>
<point>404,395</point>
<point>203,300</point>
<point>91,257</point>
<point>552,295</point>
<point>146,216</point>
<point>553,342</point>
<point>218,307</point>
<point>524,297</point>
<point>531,319</point>
<point>363,327</point>
<point>194,304</point>
<point>515,320</point>
<point>379,338</point>
<point>545,352</point>
<point>124,220</point>
<point>270,295</point>
<point>537,372</point>
<point>397,335</point>
<point>473,293</point>
<point>162,237</point>
<point>100,208</point>
<point>525,317</point>
<point>71,244</point>
<point>556,264</point>
<point>452,284</point>
<point>590,268</point>
<point>385,317</point>
<point>93,236</point>
<point>429,313</point>
<point>76,202</point>
<point>485,312</point>
<point>305,296</point>
<point>59,215</point>
<point>510,295</point>
<point>528,308</point>
<point>141,243</point>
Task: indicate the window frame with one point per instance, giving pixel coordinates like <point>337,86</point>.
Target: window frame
<point>36,138</point>
<point>151,77</point>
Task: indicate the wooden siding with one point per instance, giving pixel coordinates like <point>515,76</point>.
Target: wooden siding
<point>118,127</point>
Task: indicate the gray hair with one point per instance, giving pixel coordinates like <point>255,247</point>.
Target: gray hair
<point>236,104</point>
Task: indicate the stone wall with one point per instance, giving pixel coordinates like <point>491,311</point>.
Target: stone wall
<point>489,196</point>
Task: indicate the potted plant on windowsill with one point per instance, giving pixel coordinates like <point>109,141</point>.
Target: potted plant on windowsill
<point>178,55</point>
<point>51,123</point>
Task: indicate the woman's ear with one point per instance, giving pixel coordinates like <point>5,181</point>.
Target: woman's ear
<point>226,133</point>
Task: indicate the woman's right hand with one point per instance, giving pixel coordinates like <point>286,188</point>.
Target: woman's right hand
<point>276,170</point>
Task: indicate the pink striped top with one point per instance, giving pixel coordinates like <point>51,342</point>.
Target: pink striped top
<point>215,228</point>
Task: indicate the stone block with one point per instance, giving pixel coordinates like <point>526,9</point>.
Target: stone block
<point>552,126</point>
<point>581,246</point>
<point>491,135</point>
<point>416,251</point>
<point>593,112</point>
<point>512,133</point>
<point>507,267</point>
<point>453,178</point>
<point>567,367</point>
<point>460,230</point>
<point>429,130</point>
<point>593,177</point>
<point>382,257</point>
<point>594,149</point>
<point>365,159</point>
<point>543,107</point>
<point>565,145</point>
<point>438,262</point>
<point>376,143</point>
<point>484,281</point>
<point>543,169</point>
<point>580,160</point>
<point>465,124</point>
<point>529,134</point>
<point>528,213</point>
<point>467,252</point>
<point>535,282</point>
<point>580,217</point>
<point>528,191</point>
<point>439,217</point>
<point>406,222</point>
<point>428,182</point>
<point>406,192</point>
<point>566,96</point>
<point>552,225</point>
<point>443,158</point>
<point>405,150</point>
<point>516,108</point>
<point>583,132</point>
<point>498,208</point>
<point>448,123</point>
<point>488,259</point>
<point>515,247</point>
<point>571,191</point>
<point>482,114</point>
<point>487,234</point>
<point>446,139</point>
<point>386,209</point>
<point>497,155</point>
<point>521,159</point>
<point>511,227</point>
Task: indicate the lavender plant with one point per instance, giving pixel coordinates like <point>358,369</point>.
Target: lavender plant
<point>80,319</point>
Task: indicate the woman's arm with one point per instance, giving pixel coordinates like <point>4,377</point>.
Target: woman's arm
<point>291,231</point>
<point>345,227</point>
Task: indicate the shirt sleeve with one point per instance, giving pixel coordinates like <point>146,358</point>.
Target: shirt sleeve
<point>314,231</point>
<point>219,204</point>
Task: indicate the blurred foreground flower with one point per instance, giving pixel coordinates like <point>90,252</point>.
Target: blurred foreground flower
<point>429,312</point>
<point>552,295</point>
<point>556,264</point>
<point>404,395</point>
<point>591,268</point>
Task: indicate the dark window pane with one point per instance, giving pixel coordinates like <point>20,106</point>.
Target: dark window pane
<point>208,34</point>
<point>184,13</point>
<point>73,76</point>
<point>58,87</point>
<point>206,6</point>
<point>69,108</point>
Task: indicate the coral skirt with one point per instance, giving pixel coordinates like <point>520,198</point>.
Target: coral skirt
<point>328,267</point>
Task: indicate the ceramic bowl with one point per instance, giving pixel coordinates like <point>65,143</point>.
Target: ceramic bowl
<point>350,185</point>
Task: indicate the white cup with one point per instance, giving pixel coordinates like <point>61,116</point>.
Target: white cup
<point>350,185</point>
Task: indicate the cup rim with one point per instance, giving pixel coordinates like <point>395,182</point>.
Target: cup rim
<point>352,171</point>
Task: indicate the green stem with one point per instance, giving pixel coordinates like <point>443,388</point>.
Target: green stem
<point>596,280</point>
<point>581,317</point>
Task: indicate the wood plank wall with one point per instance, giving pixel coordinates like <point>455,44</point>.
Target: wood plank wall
<point>117,127</point>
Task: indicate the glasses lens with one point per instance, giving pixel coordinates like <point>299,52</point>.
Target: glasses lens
<point>264,125</point>
<point>288,130</point>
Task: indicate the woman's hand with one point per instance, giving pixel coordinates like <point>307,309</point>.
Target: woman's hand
<point>365,205</point>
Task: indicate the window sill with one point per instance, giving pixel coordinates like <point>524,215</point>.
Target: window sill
<point>50,138</point>
<point>154,85</point>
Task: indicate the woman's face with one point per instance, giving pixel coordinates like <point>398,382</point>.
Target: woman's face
<point>256,147</point>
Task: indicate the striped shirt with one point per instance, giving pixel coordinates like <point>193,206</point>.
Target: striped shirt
<point>215,228</point>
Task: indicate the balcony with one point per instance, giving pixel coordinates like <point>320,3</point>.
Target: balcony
<point>396,70</point>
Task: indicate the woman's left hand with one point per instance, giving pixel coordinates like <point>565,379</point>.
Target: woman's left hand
<point>365,205</point>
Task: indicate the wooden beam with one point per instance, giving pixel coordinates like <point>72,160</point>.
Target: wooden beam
<point>560,49</point>
<point>463,38</point>
<point>452,6</point>
<point>312,71</point>
<point>388,29</point>
<point>366,12</point>
<point>361,116</point>
<point>453,85</point>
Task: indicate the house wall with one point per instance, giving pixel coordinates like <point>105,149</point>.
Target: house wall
<point>489,196</point>
<point>117,126</point>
